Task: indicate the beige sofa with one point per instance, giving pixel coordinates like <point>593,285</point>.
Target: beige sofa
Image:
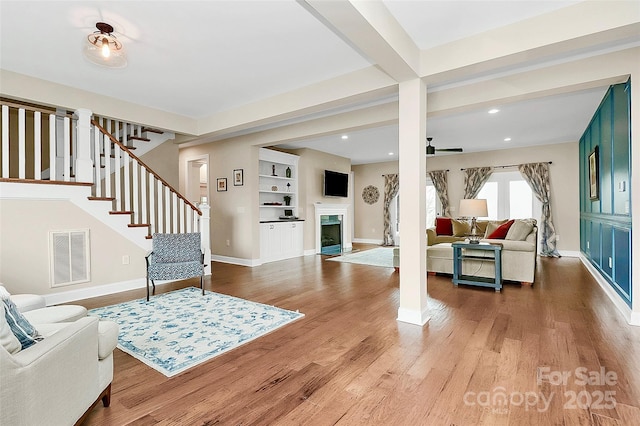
<point>519,256</point>
<point>57,380</point>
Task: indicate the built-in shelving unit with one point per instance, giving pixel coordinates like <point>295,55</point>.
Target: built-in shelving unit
<point>278,178</point>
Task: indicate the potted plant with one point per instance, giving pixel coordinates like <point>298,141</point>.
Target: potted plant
<point>287,200</point>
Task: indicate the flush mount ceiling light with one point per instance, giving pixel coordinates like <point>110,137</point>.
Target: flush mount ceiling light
<point>494,111</point>
<point>103,48</point>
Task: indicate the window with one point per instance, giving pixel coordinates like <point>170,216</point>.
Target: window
<point>434,206</point>
<point>509,196</point>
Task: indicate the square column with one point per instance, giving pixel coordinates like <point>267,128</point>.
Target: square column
<point>412,180</point>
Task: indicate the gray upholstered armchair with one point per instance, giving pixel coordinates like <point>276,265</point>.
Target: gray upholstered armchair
<point>175,257</point>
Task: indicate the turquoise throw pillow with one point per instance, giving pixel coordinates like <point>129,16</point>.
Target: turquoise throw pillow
<point>25,332</point>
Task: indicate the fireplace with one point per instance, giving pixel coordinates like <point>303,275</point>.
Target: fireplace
<point>333,234</point>
<point>330,234</point>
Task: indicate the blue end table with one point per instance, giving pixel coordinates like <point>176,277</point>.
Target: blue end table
<point>460,253</point>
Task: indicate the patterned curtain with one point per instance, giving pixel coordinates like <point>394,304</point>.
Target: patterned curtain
<point>537,176</point>
<point>391,186</point>
<point>439,179</point>
<point>474,178</point>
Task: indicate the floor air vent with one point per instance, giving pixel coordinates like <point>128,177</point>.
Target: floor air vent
<point>69,257</point>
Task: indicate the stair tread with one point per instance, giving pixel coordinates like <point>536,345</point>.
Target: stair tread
<point>101,198</point>
<point>138,138</point>
<point>149,129</point>
<point>120,212</point>
<point>138,225</point>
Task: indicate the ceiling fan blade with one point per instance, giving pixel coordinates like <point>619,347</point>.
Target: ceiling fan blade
<point>449,149</point>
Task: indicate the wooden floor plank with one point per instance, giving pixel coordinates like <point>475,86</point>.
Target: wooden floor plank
<point>349,361</point>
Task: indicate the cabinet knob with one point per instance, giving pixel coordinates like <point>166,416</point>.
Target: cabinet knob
<point>293,225</point>
<point>271,226</point>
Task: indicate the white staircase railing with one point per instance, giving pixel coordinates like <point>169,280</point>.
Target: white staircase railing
<point>39,144</point>
<point>136,189</point>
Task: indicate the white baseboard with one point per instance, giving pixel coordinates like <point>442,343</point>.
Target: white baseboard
<point>99,290</point>
<point>569,253</point>
<point>414,317</point>
<point>236,260</point>
<point>367,241</point>
<point>310,252</point>
<point>633,318</point>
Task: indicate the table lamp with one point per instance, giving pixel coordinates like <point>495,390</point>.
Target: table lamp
<point>473,208</point>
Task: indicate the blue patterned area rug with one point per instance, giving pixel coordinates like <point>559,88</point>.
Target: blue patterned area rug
<point>381,256</point>
<point>178,330</point>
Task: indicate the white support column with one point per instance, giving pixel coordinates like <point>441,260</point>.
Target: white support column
<point>84,163</point>
<point>412,178</point>
<point>205,237</point>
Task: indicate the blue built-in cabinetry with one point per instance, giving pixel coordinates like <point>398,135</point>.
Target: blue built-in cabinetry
<point>605,211</point>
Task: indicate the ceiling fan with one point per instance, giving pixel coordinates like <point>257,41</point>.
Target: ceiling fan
<point>431,150</point>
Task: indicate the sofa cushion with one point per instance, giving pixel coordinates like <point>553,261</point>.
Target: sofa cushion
<point>460,227</point>
<point>512,245</point>
<point>443,226</point>
<point>26,334</point>
<point>501,231</point>
<point>519,230</point>
<point>8,340</point>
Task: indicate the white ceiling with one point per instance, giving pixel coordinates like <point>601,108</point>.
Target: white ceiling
<point>198,58</point>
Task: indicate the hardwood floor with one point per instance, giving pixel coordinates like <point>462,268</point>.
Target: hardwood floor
<point>348,361</point>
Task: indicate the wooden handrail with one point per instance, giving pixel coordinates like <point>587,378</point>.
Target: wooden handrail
<point>32,107</point>
<point>132,155</point>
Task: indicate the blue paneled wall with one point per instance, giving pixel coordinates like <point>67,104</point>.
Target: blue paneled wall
<point>605,215</point>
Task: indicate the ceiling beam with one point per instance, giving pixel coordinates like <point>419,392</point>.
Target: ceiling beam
<point>580,29</point>
<point>372,30</point>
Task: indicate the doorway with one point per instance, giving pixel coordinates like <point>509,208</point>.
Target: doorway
<point>197,179</point>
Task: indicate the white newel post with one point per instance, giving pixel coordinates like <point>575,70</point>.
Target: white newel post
<point>205,235</point>
<point>84,163</point>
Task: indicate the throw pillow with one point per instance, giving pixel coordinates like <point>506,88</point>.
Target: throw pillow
<point>501,232</point>
<point>492,225</point>
<point>519,230</point>
<point>8,340</point>
<point>482,226</point>
<point>26,334</point>
<point>443,226</point>
<point>460,227</point>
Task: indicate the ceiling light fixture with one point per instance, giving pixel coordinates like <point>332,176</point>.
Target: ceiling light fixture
<point>345,137</point>
<point>507,139</point>
<point>494,110</point>
<point>391,153</point>
<point>104,49</point>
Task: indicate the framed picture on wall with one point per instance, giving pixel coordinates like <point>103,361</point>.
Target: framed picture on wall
<point>594,173</point>
<point>221,184</point>
<point>238,177</point>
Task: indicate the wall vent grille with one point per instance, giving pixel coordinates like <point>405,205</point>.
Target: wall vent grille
<point>69,258</point>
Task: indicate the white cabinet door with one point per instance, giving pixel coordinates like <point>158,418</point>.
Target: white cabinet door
<point>280,240</point>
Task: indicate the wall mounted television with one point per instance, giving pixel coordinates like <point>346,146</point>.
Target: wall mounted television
<point>336,184</point>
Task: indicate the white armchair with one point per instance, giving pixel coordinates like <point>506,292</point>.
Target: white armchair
<point>61,378</point>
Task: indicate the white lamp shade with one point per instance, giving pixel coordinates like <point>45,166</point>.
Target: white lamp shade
<point>473,208</point>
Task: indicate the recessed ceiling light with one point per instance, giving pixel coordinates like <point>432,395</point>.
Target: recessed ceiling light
<point>391,153</point>
<point>345,137</point>
<point>494,110</point>
<point>507,139</point>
